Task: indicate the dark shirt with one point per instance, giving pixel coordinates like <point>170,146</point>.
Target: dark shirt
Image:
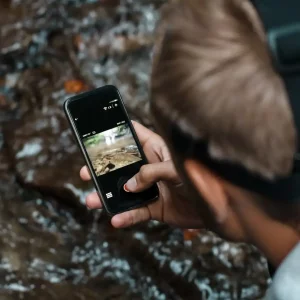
<point>272,270</point>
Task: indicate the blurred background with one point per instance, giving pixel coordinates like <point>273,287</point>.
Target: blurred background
<point>51,246</point>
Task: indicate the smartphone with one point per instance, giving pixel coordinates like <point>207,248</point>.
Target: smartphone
<point>110,147</point>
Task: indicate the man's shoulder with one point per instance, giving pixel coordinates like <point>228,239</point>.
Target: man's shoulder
<point>286,282</point>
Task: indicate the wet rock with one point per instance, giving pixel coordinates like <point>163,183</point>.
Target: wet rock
<point>208,267</point>
<point>47,87</point>
<point>9,102</point>
<point>41,144</point>
<point>8,186</point>
<point>45,252</point>
<point>26,38</point>
<point>46,157</point>
<point>46,291</point>
<point>122,56</point>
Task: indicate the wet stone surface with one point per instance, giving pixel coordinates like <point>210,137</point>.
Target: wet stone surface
<point>45,156</point>
<point>51,246</point>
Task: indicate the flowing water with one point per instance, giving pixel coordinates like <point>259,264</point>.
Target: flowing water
<point>51,246</point>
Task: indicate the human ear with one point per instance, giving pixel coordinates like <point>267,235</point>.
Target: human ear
<point>210,187</point>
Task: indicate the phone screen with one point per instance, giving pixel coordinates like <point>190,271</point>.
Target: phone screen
<point>110,145</point>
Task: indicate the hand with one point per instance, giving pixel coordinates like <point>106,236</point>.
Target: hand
<point>171,207</point>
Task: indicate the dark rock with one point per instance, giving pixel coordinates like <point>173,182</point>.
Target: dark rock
<point>9,102</point>
<point>45,156</point>
<point>110,166</point>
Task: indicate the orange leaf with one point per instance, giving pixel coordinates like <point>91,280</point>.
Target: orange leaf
<point>78,41</point>
<point>74,86</point>
<point>3,102</point>
<point>190,234</point>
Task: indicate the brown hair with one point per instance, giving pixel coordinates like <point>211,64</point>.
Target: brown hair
<point>213,76</point>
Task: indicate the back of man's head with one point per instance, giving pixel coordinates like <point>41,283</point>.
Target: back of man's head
<point>213,75</point>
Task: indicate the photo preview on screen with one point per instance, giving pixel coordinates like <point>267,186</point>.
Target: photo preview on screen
<point>112,149</point>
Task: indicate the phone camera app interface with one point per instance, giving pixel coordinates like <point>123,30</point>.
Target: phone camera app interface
<point>109,143</point>
<point>112,149</point>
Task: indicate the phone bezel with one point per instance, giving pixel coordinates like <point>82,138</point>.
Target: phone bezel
<point>85,155</point>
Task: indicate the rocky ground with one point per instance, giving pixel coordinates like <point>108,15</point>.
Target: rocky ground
<point>113,161</point>
<point>51,247</point>
<point>105,161</point>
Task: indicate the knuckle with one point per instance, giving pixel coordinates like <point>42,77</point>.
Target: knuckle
<point>145,214</point>
<point>143,173</point>
<point>139,215</point>
<point>132,217</point>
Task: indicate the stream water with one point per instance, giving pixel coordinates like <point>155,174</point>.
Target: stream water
<point>51,246</point>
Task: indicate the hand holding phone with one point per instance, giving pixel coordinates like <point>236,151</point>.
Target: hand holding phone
<point>110,147</point>
<point>172,206</point>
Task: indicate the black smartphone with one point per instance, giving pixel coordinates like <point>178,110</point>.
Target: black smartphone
<point>110,147</point>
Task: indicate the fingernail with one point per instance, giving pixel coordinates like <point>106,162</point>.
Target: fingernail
<point>126,188</point>
<point>131,184</point>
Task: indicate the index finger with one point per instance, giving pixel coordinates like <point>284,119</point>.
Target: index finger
<point>85,174</point>
<point>144,134</point>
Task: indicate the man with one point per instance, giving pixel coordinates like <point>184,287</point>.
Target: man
<point>224,112</point>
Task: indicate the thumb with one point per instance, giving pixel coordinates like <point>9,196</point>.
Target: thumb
<point>150,174</point>
<point>132,217</point>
